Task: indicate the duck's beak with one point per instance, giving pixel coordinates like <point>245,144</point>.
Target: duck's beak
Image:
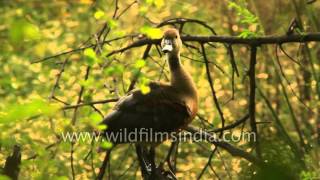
<point>167,46</point>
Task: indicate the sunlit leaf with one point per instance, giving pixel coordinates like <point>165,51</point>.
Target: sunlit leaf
<point>112,23</point>
<point>106,145</point>
<point>114,70</point>
<point>95,118</point>
<point>143,79</point>
<point>89,52</point>
<point>144,89</point>
<point>151,32</point>
<point>2,177</point>
<point>31,31</point>
<point>143,10</point>
<point>159,3</point>
<point>91,56</point>
<point>60,178</point>
<point>102,127</point>
<point>87,83</point>
<point>150,2</point>
<point>140,63</point>
<point>21,30</point>
<point>36,107</point>
<point>99,14</point>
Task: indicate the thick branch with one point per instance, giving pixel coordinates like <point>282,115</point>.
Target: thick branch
<point>307,37</point>
<point>257,40</point>
<point>226,146</point>
<point>229,39</point>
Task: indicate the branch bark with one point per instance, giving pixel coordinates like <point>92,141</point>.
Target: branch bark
<point>226,146</point>
<point>257,41</point>
<point>252,98</point>
<point>306,37</point>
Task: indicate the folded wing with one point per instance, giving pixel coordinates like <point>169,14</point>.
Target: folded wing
<point>157,111</point>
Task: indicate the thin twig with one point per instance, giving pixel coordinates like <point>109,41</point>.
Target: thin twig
<point>232,59</point>
<point>288,82</point>
<point>90,103</point>
<point>215,99</point>
<point>116,8</point>
<point>207,164</point>
<point>233,125</point>
<point>126,9</point>
<point>296,150</point>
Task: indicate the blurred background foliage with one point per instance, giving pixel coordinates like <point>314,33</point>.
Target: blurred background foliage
<point>32,29</point>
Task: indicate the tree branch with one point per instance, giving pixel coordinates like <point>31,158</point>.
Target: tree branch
<point>226,146</point>
<point>252,97</point>
<point>89,103</point>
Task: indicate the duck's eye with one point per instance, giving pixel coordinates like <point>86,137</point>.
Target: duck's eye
<point>176,36</point>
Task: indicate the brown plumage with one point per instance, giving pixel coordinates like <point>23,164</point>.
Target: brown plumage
<point>166,108</point>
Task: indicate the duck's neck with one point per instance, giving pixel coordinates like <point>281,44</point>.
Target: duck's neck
<point>174,62</point>
<point>180,78</point>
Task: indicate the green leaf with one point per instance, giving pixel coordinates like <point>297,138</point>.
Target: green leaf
<point>60,178</point>
<point>150,2</point>
<point>89,52</point>
<point>151,32</point>
<point>98,14</point>
<point>145,89</point>
<point>96,118</point>
<point>87,97</point>
<point>143,79</point>
<point>143,10</point>
<point>247,19</point>
<point>87,83</point>
<point>102,127</point>
<point>23,111</point>
<point>21,30</point>
<point>112,23</point>
<point>106,145</point>
<point>159,3</point>
<point>91,57</point>
<point>246,34</point>
<point>3,177</point>
<point>140,63</point>
<point>114,70</point>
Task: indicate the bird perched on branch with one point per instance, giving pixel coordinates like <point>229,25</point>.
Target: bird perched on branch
<point>167,108</point>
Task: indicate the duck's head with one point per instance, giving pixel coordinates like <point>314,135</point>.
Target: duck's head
<point>171,42</point>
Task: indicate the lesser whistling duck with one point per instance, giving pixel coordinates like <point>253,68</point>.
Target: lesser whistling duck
<point>168,107</point>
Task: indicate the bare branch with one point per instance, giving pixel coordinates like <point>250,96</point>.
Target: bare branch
<point>252,98</point>
<point>228,39</point>
<point>233,125</point>
<point>215,99</point>
<point>89,103</point>
<point>307,37</point>
<point>226,146</point>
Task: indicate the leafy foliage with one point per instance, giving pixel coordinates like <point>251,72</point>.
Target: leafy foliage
<point>247,19</point>
<point>31,117</point>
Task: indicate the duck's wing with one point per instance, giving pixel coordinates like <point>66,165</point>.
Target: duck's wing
<point>157,110</point>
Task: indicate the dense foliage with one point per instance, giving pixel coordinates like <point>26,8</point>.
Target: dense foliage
<point>37,98</point>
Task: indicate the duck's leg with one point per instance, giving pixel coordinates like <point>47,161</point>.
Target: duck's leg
<point>145,168</point>
<point>152,158</point>
<point>104,165</point>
